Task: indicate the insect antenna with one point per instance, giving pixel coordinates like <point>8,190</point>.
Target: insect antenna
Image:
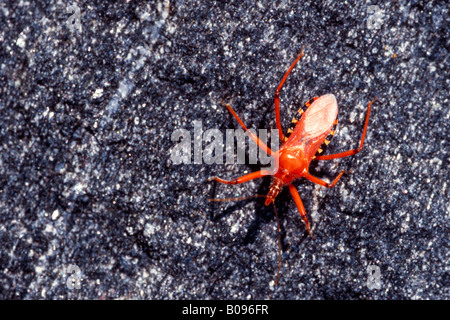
<point>236,199</point>
<point>279,244</point>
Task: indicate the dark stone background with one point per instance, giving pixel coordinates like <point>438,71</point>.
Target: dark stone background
<point>86,180</point>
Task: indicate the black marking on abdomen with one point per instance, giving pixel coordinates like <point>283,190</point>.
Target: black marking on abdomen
<point>297,117</point>
<point>327,140</point>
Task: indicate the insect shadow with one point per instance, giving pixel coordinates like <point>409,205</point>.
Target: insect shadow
<point>263,214</point>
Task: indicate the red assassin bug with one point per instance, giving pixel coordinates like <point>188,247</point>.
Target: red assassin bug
<point>310,132</point>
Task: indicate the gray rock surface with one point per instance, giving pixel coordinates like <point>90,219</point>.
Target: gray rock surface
<point>89,100</point>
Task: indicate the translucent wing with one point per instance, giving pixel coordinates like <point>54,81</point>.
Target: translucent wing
<point>314,126</point>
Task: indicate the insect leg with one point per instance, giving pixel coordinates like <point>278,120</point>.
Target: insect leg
<point>300,206</point>
<point>323,183</point>
<point>277,97</point>
<point>260,144</point>
<point>248,177</point>
<point>354,151</point>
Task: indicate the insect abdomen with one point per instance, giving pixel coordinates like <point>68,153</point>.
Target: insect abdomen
<point>298,116</point>
<point>327,140</point>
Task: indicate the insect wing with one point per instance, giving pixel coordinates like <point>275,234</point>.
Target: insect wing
<point>315,125</point>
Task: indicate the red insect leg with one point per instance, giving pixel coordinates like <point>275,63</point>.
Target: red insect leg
<point>260,144</point>
<point>277,97</point>
<point>300,207</point>
<point>354,151</point>
<point>323,183</point>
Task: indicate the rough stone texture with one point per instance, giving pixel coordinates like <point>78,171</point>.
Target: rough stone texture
<point>87,182</point>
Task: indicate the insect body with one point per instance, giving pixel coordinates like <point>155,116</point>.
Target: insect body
<point>310,132</point>
<point>308,135</point>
